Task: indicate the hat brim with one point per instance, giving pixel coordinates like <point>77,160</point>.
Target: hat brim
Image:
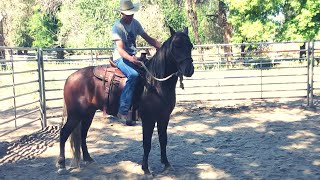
<point>136,7</point>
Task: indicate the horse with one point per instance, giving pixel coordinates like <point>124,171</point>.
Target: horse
<point>84,94</point>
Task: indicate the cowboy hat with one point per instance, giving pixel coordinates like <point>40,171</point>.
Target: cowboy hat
<point>128,8</point>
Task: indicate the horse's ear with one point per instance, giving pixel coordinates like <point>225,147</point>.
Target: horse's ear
<point>172,31</point>
<point>185,30</point>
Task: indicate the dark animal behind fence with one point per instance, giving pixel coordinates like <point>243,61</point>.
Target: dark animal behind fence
<point>84,94</point>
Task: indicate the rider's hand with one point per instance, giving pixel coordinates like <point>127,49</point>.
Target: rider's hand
<point>136,61</point>
<point>134,58</point>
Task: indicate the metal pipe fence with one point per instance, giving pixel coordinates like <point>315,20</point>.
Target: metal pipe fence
<point>275,70</point>
<point>32,85</point>
<point>19,87</point>
<point>57,70</point>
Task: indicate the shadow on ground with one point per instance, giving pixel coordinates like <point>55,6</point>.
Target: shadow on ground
<point>261,140</point>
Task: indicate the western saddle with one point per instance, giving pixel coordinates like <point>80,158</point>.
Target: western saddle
<point>114,81</point>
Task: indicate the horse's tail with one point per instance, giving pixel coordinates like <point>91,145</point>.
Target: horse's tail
<point>75,142</point>
<point>64,114</point>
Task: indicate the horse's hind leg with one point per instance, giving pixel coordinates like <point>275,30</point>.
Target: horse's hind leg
<point>86,123</point>
<point>64,134</point>
<point>162,133</point>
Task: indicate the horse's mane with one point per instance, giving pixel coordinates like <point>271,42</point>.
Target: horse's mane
<point>157,63</point>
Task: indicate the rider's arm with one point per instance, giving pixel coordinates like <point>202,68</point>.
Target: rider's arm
<point>124,54</point>
<point>153,42</point>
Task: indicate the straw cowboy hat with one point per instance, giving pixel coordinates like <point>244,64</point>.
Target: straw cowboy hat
<point>128,8</point>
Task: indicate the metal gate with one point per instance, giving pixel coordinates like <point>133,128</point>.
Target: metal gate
<point>32,83</point>
<point>21,85</point>
<point>255,71</point>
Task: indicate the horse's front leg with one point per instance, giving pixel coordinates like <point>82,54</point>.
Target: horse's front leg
<point>162,132</point>
<point>147,127</point>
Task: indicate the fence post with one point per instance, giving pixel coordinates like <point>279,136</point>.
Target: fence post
<point>42,88</point>
<point>261,81</point>
<point>311,73</point>
<point>219,69</point>
<point>308,75</point>
<point>13,88</point>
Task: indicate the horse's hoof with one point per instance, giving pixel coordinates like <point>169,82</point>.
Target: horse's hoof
<point>62,171</point>
<point>90,163</point>
<point>74,164</point>
<point>130,122</point>
<point>60,167</point>
<point>168,169</point>
<point>149,176</point>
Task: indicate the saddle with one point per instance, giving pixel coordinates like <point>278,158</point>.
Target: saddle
<point>113,82</point>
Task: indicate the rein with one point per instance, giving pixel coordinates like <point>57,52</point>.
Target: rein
<point>159,79</point>
<point>178,73</point>
<point>166,78</point>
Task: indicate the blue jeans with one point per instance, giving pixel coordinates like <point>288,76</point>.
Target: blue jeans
<point>127,68</point>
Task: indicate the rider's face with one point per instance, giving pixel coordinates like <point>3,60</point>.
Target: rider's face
<point>127,18</point>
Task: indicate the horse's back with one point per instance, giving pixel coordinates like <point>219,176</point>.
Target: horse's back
<point>82,91</point>
<point>94,87</point>
<point>79,79</point>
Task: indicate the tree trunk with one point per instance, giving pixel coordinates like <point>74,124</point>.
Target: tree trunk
<point>227,31</point>
<point>227,34</point>
<point>192,14</point>
<point>303,53</point>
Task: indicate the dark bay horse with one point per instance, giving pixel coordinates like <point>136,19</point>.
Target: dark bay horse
<point>84,94</point>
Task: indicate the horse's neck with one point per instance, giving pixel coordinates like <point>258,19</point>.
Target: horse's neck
<point>161,67</point>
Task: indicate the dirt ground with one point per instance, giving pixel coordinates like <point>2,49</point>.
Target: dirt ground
<point>250,140</point>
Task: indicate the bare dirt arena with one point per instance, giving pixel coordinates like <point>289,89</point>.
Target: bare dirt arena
<point>251,140</point>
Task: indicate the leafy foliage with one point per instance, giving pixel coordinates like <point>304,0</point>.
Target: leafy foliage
<point>16,13</point>
<point>155,27</point>
<point>87,23</point>
<point>257,20</point>
<point>208,29</point>
<point>43,29</point>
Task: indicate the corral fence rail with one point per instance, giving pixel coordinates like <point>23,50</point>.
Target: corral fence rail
<point>32,79</point>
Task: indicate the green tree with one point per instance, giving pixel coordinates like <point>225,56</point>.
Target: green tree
<point>87,23</point>
<point>16,15</point>
<point>209,29</point>
<point>257,20</point>
<point>301,20</point>
<point>174,13</point>
<point>155,28</point>
<point>43,28</point>
<point>196,15</point>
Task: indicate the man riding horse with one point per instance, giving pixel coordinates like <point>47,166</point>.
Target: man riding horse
<point>85,90</point>
<point>124,34</point>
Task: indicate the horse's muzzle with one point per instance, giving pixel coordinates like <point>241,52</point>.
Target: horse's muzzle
<point>187,68</point>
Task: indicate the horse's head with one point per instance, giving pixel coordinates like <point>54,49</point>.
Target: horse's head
<point>181,48</point>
